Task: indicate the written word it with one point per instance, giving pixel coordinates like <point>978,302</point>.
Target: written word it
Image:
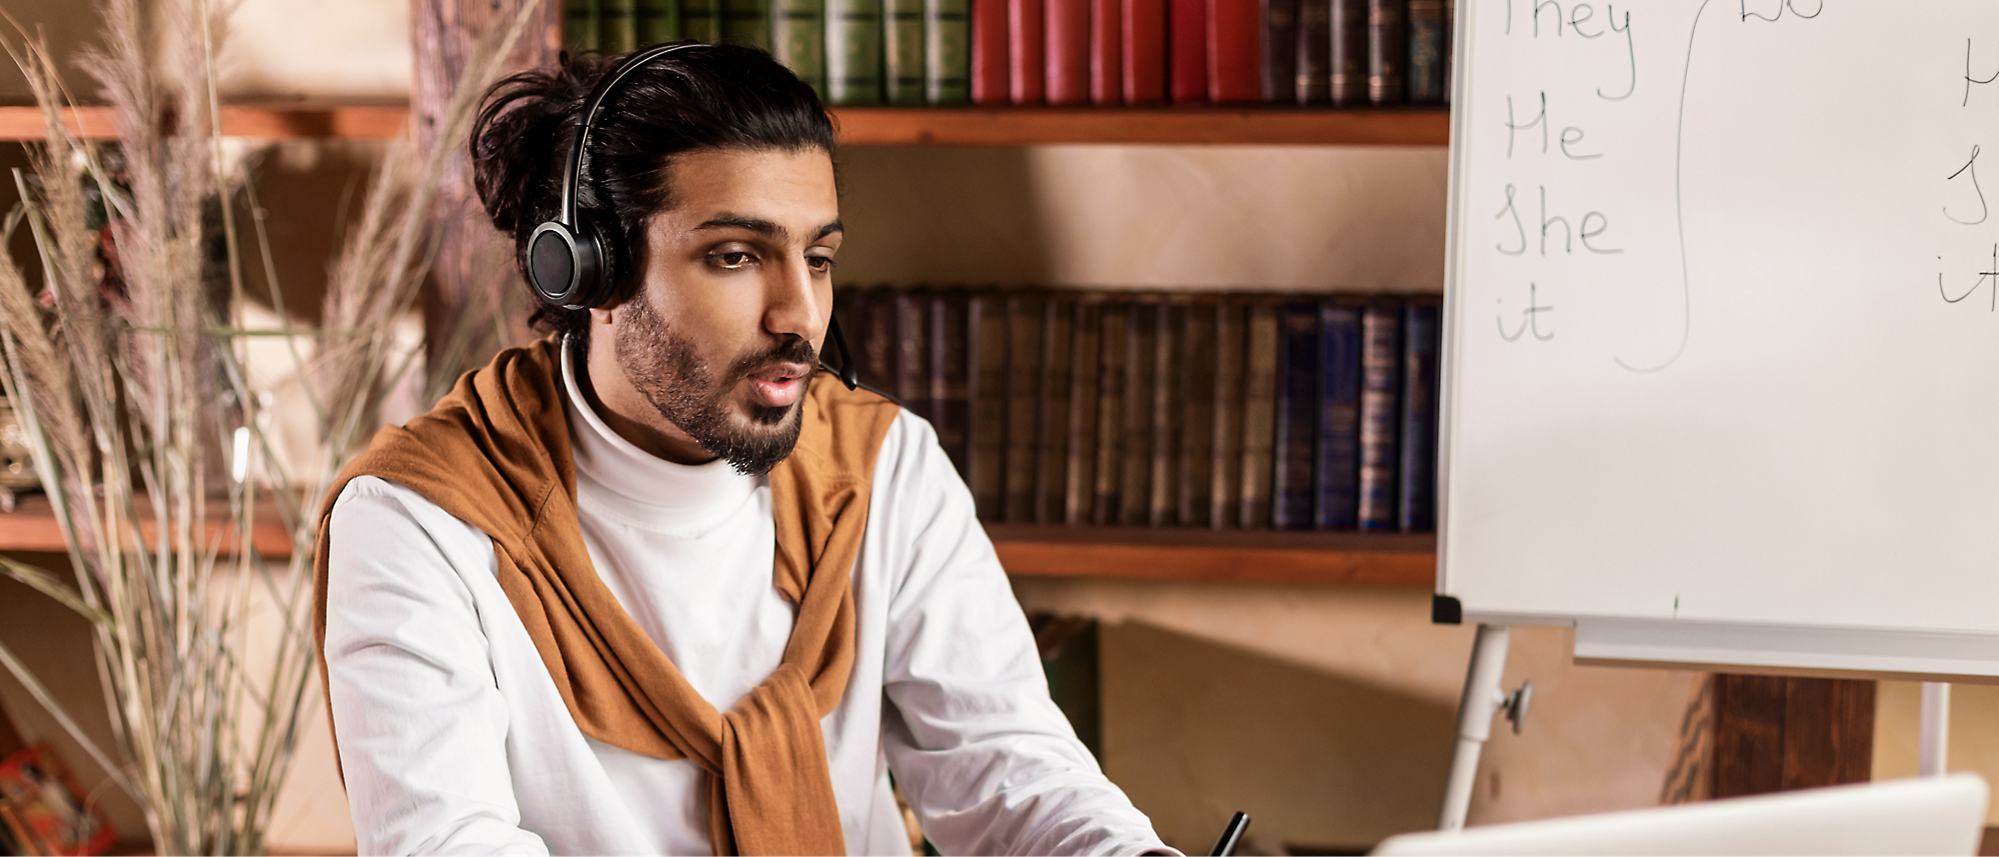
<point>1585,232</point>
<point>1571,136</point>
<point>1580,19</point>
<point>1530,318</point>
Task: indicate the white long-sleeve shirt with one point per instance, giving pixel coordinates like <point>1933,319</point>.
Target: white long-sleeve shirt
<point>453,737</point>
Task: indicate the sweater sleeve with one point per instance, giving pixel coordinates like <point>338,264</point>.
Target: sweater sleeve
<point>420,723</point>
<point>987,761</point>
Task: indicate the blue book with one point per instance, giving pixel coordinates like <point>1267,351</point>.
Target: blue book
<point>1380,415</point>
<point>1422,340</point>
<point>1339,417</point>
<point>1298,356</point>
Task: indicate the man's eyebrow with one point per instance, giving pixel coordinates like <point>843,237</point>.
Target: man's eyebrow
<point>758,225</point>
<point>829,229</point>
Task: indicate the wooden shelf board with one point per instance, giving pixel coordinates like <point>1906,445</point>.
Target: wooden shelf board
<point>31,527</point>
<point>896,126</point>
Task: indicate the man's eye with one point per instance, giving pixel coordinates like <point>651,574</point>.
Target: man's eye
<point>821,264</point>
<point>736,259</point>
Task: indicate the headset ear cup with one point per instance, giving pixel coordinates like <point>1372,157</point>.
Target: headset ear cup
<point>597,264</point>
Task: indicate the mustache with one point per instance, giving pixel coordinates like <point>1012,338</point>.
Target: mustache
<point>792,350</point>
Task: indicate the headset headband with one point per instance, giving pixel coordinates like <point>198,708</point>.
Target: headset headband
<point>572,176</point>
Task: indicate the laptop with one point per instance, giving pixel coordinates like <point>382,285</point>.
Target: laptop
<point>1928,815</point>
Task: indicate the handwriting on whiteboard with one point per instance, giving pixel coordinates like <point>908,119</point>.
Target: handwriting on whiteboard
<point>1967,207</point>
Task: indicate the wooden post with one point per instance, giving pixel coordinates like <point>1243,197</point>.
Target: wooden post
<point>444,32</point>
<point>1776,734</point>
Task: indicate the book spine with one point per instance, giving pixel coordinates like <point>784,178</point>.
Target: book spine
<point>1079,473</point>
<point>1051,475</point>
<point>583,25</point>
<point>854,51</point>
<point>1106,54</point>
<point>1135,487</point>
<point>1225,475</point>
<point>1339,417</point>
<point>902,50</point>
<point>747,23</point>
<point>986,431</point>
<point>1426,52</point>
<point>798,34</point>
<point>1380,415</point>
<point>1347,52</point>
<point>1023,417</point>
<point>879,352</point>
<point>1196,383</point>
<point>1314,51</point>
<point>1297,420</point>
<point>1027,59</point>
<point>1387,51</point>
<point>991,82</point>
<point>621,27</point>
<point>701,20</point>
<point>1421,338</point>
<point>1450,47</point>
<point>659,21</point>
<point>1187,51</point>
<point>911,363</point>
<point>1113,326</point>
<point>1143,50</point>
<point>947,51</point>
<point>1067,50</point>
<point>1235,58</point>
<point>950,373</point>
<point>1164,500</point>
<point>1259,414</point>
<point>1280,51</point>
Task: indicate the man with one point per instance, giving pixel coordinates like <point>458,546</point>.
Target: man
<point>653,586</point>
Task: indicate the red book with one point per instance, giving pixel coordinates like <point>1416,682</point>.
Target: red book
<point>989,54</point>
<point>1144,51</point>
<point>1235,51</point>
<point>1106,61</point>
<point>1068,49</point>
<point>1187,56</point>
<point>1027,60</point>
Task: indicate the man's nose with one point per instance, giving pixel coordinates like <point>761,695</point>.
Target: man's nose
<point>793,307</point>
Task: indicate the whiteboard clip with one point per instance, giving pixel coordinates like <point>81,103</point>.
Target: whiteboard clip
<point>1514,705</point>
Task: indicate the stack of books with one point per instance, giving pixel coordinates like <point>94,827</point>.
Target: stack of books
<point>1221,411</point>
<point>1063,52</point>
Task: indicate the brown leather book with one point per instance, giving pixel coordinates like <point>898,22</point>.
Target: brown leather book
<point>1164,503</point>
<point>986,327</point>
<point>1225,462</point>
<point>1113,329</point>
<point>1023,406</point>
<point>1258,413</point>
<point>1196,368</point>
<point>1079,468</point>
<point>1135,486</point>
<point>1051,477</point>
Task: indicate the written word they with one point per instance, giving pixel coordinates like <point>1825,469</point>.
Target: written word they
<point>1580,19</point>
<point>1571,137</point>
<point>1588,231</point>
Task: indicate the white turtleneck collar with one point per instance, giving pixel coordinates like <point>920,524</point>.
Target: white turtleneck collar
<point>647,490</point>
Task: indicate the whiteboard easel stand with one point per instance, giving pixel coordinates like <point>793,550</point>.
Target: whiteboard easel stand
<point>1484,697</point>
<point>1933,755</point>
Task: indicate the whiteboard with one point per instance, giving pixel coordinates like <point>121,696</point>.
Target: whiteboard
<point>1722,376</point>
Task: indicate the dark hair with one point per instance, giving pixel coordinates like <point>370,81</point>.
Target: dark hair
<point>712,97</point>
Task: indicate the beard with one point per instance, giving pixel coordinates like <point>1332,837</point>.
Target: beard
<point>692,395</point>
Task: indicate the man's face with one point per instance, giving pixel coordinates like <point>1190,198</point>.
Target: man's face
<point>712,357</point>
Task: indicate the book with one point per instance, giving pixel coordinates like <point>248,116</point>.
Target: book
<point>1450,45</point>
<point>701,21</point>
<point>798,39</point>
<point>620,33</point>
<point>1066,48</point>
<point>1292,493</point>
<point>47,812</point>
<point>658,22</point>
<point>1279,47</point>
<point>850,310</point>
<point>950,374</point>
<point>747,23</point>
<point>1380,415</point>
<point>1187,51</point>
<point>879,352</point>
<point>1387,51</point>
<point>991,56</point>
<point>1163,502</point>
<point>1314,51</point>
<point>911,364</point>
<point>1079,472</point>
<point>947,51</point>
<point>1142,49</point>
<point>1051,482</point>
<point>1346,56</point>
<point>1106,51</point>
<point>1422,334</point>
<point>1339,416</point>
<point>1027,59</point>
<point>1135,485</point>
<point>1113,328</point>
<point>1235,55</point>
<point>902,51</point>
<point>986,432</point>
<point>1225,475</point>
<point>582,25</point>
<point>1259,406</point>
<point>1023,403</point>
<point>1197,414</point>
<point>1426,52</point>
<point>853,51</point>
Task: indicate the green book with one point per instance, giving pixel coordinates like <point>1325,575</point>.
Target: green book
<point>746,23</point>
<point>854,51</point>
<point>798,39</point>
<point>701,20</point>
<point>948,66</point>
<point>658,22</point>
<point>584,25</point>
<point>621,21</point>
<point>903,50</point>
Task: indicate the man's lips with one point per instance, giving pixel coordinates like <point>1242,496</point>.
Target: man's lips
<point>780,384</point>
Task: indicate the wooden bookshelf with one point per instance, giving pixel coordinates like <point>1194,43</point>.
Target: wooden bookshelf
<point>1334,558</point>
<point>897,126</point>
<point>32,528</point>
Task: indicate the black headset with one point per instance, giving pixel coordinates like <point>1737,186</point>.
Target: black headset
<point>565,263</point>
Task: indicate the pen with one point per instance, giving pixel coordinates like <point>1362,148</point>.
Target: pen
<point>1231,835</point>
